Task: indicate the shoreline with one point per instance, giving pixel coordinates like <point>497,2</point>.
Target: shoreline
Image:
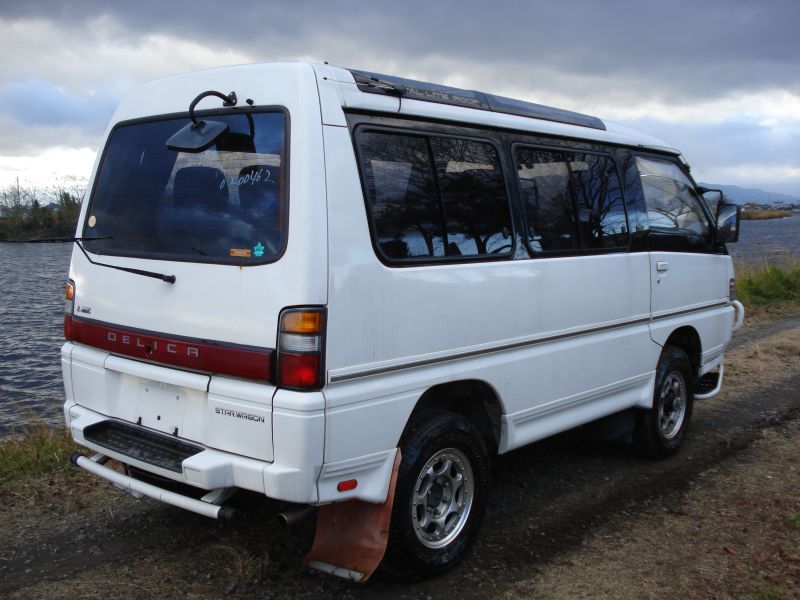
<point>767,215</point>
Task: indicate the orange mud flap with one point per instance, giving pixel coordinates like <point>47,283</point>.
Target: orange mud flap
<point>351,536</point>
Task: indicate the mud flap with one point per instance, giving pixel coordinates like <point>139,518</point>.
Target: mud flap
<point>351,536</point>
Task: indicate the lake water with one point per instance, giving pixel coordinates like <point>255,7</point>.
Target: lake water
<point>33,276</point>
<point>770,241</point>
<point>32,279</point>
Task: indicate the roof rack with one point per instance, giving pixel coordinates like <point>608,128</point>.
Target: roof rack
<point>388,85</point>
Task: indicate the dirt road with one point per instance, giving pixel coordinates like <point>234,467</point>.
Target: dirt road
<point>69,535</point>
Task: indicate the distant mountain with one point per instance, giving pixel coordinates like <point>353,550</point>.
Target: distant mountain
<point>742,195</point>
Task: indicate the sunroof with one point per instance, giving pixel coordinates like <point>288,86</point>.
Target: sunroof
<point>374,83</point>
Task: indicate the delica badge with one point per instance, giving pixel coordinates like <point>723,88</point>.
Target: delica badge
<point>241,252</point>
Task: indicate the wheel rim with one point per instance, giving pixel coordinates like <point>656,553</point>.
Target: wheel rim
<point>442,498</point>
<point>672,405</point>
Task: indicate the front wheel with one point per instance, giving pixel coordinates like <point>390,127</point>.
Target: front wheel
<point>441,493</point>
<point>660,430</point>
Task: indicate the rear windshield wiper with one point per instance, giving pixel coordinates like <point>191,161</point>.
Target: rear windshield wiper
<point>78,240</point>
<point>153,274</point>
<point>65,240</point>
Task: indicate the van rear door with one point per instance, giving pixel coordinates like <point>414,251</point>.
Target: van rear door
<point>218,221</point>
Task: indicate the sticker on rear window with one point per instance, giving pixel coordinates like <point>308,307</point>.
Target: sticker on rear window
<point>258,250</point>
<point>92,221</point>
<point>241,252</point>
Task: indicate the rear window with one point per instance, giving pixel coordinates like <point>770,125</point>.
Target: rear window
<point>224,205</point>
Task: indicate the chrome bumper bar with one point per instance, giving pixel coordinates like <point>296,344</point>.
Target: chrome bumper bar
<point>134,486</point>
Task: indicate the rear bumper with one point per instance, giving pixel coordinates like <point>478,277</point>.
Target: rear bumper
<point>738,319</point>
<point>212,469</point>
<point>136,487</point>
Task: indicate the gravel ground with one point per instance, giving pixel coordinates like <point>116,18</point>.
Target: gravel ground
<point>68,535</point>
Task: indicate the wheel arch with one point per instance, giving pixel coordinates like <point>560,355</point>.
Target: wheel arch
<point>687,339</point>
<point>474,399</point>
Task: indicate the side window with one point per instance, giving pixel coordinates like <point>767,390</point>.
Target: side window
<point>670,198</point>
<point>544,184</point>
<point>404,202</point>
<point>572,200</point>
<point>598,195</point>
<point>433,197</point>
<point>476,210</point>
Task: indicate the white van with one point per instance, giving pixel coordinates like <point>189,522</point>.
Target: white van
<point>349,291</point>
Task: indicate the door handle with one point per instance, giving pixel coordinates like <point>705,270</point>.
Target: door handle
<point>662,266</point>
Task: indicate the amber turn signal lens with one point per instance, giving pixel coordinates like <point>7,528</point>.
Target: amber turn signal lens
<point>302,322</point>
<point>70,291</point>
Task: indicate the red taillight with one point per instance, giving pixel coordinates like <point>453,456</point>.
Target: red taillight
<point>69,308</point>
<point>300,347</point>
<point>298,370</point>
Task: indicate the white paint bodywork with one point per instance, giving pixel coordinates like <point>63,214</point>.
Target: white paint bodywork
<point>560,341</point>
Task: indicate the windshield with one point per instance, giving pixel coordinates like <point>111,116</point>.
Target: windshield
<point>223,205</point>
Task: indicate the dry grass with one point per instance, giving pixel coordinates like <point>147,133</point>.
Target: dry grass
<point>760,316</point>
<point>757,364</point>
<point>764,214</point>
<point>218,570</point>
<point>733,535</point>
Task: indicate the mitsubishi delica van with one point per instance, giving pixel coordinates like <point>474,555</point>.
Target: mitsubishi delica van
<point>348,291</point>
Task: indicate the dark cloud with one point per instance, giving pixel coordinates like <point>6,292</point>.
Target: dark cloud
<point>677,57</point>
<point>681,47</point>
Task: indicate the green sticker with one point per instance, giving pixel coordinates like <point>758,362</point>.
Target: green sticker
<point>258,250</point>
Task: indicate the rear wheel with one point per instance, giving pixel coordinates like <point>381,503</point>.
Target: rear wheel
<point>440,497</point>
<point>661,430</point>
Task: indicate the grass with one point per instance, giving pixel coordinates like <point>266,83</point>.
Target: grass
<point>769,284</point>
<point>764,214</point>
<point>35,450</point>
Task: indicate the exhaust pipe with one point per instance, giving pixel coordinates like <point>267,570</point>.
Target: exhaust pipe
<point>293,516</point>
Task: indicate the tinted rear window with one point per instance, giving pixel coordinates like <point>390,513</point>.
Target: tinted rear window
<point>224,205</point>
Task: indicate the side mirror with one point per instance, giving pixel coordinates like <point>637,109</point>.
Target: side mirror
<point>728,218</point>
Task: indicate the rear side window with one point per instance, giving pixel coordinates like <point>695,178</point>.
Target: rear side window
<point>434,197</point>
<point>223,205</point>
<point>572,200</point>
<point>670,198</point>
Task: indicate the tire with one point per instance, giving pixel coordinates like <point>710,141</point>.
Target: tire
<point>422,542</point>
<point>660,430</point>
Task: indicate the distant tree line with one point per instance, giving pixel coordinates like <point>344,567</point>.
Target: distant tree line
<point>34,213</point>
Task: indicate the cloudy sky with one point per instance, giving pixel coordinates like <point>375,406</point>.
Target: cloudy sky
<point>718,79</point>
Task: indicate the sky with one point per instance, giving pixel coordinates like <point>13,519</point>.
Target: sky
<point>720,80</point>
